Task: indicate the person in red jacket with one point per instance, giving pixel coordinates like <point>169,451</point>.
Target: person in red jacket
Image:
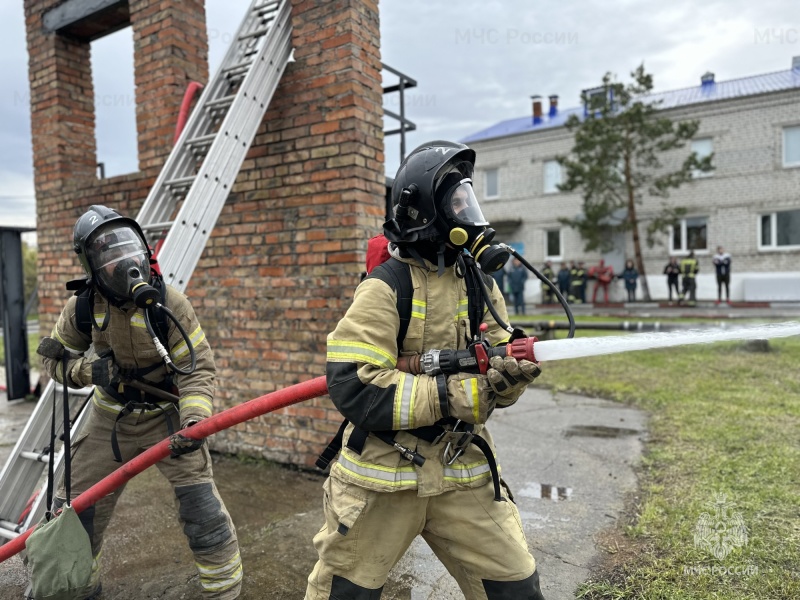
<point>603,275</point>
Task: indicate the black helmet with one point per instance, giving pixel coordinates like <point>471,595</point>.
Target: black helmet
<point>432,196</point>
<point>112,251</point>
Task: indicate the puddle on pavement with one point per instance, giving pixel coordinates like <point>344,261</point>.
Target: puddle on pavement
<point>546,491</point>
<point>598,431</point>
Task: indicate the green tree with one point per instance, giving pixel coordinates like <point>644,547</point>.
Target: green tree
<point>616,163</point>
<point>29,271</point>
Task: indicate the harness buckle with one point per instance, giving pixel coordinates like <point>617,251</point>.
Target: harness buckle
<point>455,447</point>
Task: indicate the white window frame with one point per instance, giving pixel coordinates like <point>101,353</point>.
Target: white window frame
<point>560,245</point>
<point>684,250</point>
<point>773,245</point>
<point>697,173</point>
<point>795,129</point>
<point>555,189</point>
<point>486,194</point>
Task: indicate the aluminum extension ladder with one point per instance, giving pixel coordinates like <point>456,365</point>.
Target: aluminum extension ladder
<point>181,210</point>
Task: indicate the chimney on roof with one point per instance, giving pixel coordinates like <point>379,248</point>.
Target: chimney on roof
<point>553,106</point>
<point>707,79</point>
<point>796,63</point>
<point>537,109</point>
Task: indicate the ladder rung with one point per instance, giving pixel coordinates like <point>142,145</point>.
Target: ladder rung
<point>220,103</point>
<point>180,182</point>
<point>238,68</point>
<point>203,140</point>
<point>272,4</point>
<point>157,226</point>
<point>8,530</point>
<point>36,456</point>
<point>254,34</point>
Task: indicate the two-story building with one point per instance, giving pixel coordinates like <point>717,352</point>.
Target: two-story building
<point>749,204</point>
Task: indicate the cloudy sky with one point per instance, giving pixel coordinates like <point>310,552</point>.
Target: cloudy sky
<point>476,62</point>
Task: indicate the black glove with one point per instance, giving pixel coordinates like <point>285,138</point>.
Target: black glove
<point>179,444</point>
<point>104,370</point>
<point>100,371</point>
<point>510,377</point>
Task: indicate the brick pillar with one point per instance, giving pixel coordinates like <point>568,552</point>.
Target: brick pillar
<point>170,46</point>
<point>289,247</point>
<point>170,51</point>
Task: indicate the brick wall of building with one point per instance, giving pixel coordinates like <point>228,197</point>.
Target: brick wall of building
<point>286,254</point>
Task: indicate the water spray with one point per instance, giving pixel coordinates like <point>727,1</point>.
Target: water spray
<point>547,350</point>
<point>475,359</point>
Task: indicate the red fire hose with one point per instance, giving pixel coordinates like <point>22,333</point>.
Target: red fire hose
<point>228,418</point>
<point>186,103</point>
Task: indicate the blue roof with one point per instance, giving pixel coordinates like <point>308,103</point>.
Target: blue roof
<point>710,92</point>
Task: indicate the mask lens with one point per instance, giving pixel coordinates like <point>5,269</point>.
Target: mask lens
<point>463,205</point>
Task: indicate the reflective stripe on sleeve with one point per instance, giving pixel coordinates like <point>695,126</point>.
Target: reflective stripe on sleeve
<point>72,349</point>
<point>406,393</point>
<point>339,351</point>
<point>180,349</point>
<point>471,390</point>
<point>200,402</point>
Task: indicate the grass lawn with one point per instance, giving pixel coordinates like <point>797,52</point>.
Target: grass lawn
<point>724,421</point>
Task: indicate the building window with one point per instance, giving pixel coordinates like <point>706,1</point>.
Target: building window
<point>703,148</point>
<point>689,234</point>
<point>779,230</point>
<point>552,176</point>
<point>552,241</point>
<point>791,146</point>
<point>491,187</point>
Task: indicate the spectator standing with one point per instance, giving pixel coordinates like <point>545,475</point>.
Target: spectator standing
<point>603,275</point>
<point>500,279</point>
<point>631,276</point>
<point>672,270</point>
<point>516,282</point>
<point>689,269</point>
<point>577,283</point>
<point>563,280</point>
<point>548,296</point>
<point>722,262</point>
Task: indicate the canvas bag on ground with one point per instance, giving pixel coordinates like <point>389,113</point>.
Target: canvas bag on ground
<point>60,558</point>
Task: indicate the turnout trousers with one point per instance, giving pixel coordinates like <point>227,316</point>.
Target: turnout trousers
<point>201,512</point>
<point>481,542</point>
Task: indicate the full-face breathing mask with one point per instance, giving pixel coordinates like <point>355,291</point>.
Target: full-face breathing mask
<point>466,227</point>
<point>120,266</point>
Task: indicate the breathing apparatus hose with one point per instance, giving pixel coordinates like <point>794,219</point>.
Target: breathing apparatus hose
<point>548,283</point>
<point>163,352</point>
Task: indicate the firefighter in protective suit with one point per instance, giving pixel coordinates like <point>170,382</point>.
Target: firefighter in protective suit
<point>124,420</point>
<point>376,500</point>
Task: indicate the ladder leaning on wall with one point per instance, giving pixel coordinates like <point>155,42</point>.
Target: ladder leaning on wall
<point>180,211</point>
